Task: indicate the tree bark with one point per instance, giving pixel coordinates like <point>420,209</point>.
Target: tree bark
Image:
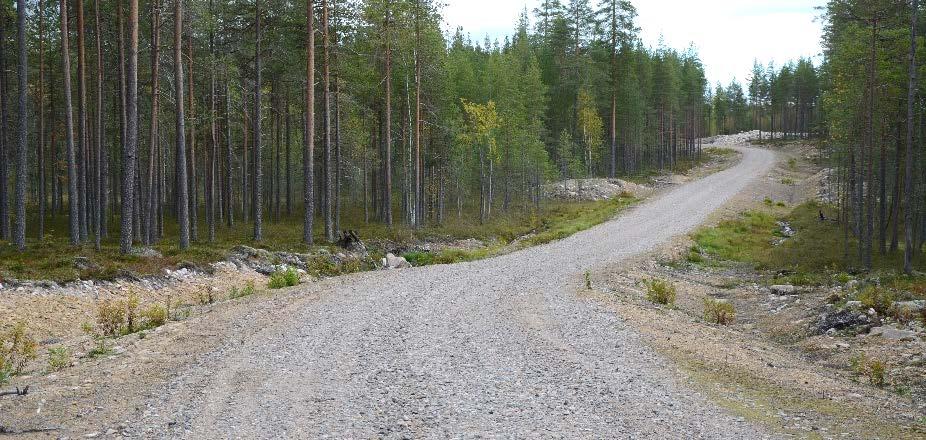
<point>22,175</point>
<point>100,204</point>
<point>82,132</point>
<point>149,213</point>
<point>213,136</point>
<point>416,214</point>
<point>191,161</point>
<point>180,165</point>
<point>326,124</point>
<point>387,154</point>
<point>909,219</point>
<point>40,150</point>
<point>258,178</point>
<point>308,141</point>
<point>73,208</point>
<point>5,231</point>
<point>229,155</point>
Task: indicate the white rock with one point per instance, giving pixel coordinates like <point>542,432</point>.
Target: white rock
<point>393,262</point>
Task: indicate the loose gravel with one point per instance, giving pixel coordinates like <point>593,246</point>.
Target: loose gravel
<point>499,348</point>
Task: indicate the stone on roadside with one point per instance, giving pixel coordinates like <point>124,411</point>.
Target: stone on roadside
<point>892,333</point>
<point>914,306</point>
<point>783,289</point>
<point>393,262</point>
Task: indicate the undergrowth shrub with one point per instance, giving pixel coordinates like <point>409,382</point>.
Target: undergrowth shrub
<point>660,291</point>
<point>154,315</point>
<point>59,358</point>
<point>110,317</point>
<point>718,311</point>
<point>417,258</point>
<point>875,370</point>
<point>17,348</point>
<point>247,290</point>
<point>878,298</point>
<point>283,278</point>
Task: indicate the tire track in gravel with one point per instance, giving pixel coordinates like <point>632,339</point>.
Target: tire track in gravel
<point>494,348</point>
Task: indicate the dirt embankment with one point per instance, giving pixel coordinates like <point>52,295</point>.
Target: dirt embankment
<point>772,364</point>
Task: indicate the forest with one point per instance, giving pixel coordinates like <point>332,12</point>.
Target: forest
<point>863,104</point>
<point>193,118</point>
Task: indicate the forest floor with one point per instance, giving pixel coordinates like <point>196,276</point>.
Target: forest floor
<point>804,362</point>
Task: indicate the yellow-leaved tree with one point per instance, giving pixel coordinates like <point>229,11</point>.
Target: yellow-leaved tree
<point>482,122</point>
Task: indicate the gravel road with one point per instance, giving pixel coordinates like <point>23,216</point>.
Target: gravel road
<point>500,348</point>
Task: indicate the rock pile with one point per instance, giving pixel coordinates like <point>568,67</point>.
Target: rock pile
<point>592,189</point>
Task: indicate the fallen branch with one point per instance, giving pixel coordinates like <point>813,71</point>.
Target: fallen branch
<point>16,392</point>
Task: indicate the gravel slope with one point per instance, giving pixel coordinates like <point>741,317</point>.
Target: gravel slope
<point>495,348</point>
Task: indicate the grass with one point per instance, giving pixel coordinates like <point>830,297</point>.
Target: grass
<point>17,348</point>
<point>283,278</point>
<point>660,292</point>
<point>683,166</point>
<point>557,221</point>
<point>875,370</point>
<point>718,311</point>
<point>815,255</point>
<point>59,358</point>
<point>54,258</point>
<point>247,290</point>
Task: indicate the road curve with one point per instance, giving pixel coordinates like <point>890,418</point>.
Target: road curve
<point>495,348</point>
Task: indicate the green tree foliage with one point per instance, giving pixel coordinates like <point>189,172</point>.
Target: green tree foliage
<point>407,118</point>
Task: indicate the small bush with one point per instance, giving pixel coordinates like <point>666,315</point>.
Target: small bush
<point>110,317</point>
<point>247,290</point>
<point>792,163</point>
<point>59,358</point>
<point>131,313</point>
<point>718,311</point>
<point>660,292</point>
<point>154,316</point>
<point>419,258</point>
<point>878,298</point>
<point>16,349</point>
<point>588,280</point>
<point>768,202</point>
<point>873,369</point>
<point>205,296</point>
<point>283,278</point>
<point>695,255</point>
<point>101,349</point>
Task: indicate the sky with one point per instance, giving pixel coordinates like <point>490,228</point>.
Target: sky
<point>728,34</point>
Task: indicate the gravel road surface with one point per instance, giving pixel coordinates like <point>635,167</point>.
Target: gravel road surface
<point>499,348</point>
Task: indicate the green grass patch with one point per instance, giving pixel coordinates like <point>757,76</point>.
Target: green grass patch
<point>247,290</point>
<point>815,255</point>
<point>660,292</point>
<point>283,278</point>
<point>54,258</point>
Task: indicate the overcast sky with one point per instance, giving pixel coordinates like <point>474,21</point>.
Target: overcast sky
<point>728,34</point>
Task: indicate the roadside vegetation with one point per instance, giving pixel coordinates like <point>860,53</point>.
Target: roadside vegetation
<point>817,254</point>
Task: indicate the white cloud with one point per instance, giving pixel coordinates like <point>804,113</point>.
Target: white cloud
<point>728,34</point>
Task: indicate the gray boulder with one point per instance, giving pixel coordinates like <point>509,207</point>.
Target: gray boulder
<point>914,306</point>
<point>894,334</point>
